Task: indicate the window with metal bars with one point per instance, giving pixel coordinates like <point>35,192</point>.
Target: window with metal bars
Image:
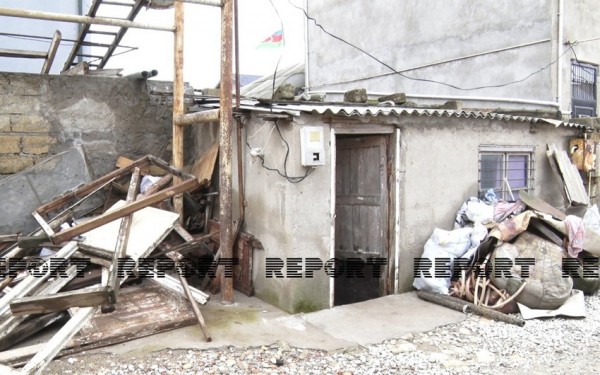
<point>507,170</point>
<point>583,89</point>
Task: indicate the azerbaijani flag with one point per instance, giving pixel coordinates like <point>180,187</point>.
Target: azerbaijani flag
<point>274,41</point>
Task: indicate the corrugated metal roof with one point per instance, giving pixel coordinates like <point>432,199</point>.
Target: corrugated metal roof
<point>295,109</point>
<point>373,111</point>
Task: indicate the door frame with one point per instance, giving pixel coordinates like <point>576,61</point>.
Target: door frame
<point>393,152</point>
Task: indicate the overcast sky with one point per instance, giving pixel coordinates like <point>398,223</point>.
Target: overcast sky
<point>257,21</point>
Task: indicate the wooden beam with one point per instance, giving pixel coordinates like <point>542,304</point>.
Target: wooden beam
<point>9,324</point>
<point>29,328</point>
<point>10,238</point>
<point>70,233</point>
<point>211,115</point>
<point>52,52</point>
<point>87,297</point>
<point>45,227</point>
<point>31,282</point>
<point>121,247</point>
<point>188,246</point>
<point>225,145</point>
<point>37,364</point>
<point>22,54</point>
<point>157,186</point>
<point>176,257</point>
<point>178,103</point>
<point>88,188</point>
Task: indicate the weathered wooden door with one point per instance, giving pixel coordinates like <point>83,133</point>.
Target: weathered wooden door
<point>361,216</point>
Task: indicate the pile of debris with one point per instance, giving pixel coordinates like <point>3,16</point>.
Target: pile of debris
<point>111,259</point>
<point>523,256</point>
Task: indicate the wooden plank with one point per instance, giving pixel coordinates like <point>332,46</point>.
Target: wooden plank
<point>45,227</point>
<point>22,54</point>
<point>10,238</point>
<point>29,328</point>
<point>573,182</point>
<point>148,228</point>
<point>70,233</point>
<point>51,52</point>
<point>129,321</point>
<point>80,69</point>
<point>193,244</point>
<point>141,311</point>
<point>124,162</point>
<point>171,283</point>
<point>176,257</point>
<point>556,173</point>
<point>540,205</point>
<point>204,167</point>
<point>121,246</point>
<point>31,281</point>
<point>88,188</point>
<point>37,364</point>
<point>8,325</point>
<point>157,186</point>
<point>87,297</point>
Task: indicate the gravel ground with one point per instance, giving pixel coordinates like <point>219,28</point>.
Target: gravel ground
<point>474,346</point>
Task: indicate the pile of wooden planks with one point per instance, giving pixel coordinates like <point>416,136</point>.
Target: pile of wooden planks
<point>72,270</point>
<point>568,177</point>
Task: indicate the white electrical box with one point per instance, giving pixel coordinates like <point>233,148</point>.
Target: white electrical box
<point>312,146</point>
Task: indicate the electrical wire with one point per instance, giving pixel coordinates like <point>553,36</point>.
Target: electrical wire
<point>284,174</point>
<point>317,24</point>
<point>280,54</point>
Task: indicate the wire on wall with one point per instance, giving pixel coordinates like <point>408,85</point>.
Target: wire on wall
<point>526,77</point>
<point>260,155</point>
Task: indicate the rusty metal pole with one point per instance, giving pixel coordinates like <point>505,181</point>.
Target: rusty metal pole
<point>178,107</point>
<point>237,54</point>
<point>225,146</point>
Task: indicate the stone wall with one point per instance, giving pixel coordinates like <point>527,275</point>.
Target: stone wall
<point>42,115</point>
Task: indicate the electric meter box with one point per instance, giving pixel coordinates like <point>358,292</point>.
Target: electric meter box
<point>312,146</point>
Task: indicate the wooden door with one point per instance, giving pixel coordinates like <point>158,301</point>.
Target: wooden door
<point>361,215</point>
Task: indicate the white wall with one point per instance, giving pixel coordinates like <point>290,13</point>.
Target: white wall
<point>37,28</point>
<point>411,33</point>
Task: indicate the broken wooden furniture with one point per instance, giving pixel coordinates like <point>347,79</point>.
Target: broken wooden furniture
<point>128,232</point>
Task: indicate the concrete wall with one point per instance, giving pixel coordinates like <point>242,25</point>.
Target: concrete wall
<point>38,28</point>
<point>409,34</point>
<point>291,220</point>
<point>438,171</point>
<point>440,160</point>
<point>581,24</point>
<point>44,115</point>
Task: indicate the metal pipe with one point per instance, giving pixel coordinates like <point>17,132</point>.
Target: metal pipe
<point>225,147</point>
<point>23,13</point>
<point>144,74</point>
<point>164,4</point>
<point>240,170</point>
<point>397,213</point>
<point>210,115</point>
<point>454,97</point>
<point>559,52</point>
<point>468,307</point>
<point>306,53</point>
<point>332,179</point>
<point>178,104</point>
<point>237,54</point>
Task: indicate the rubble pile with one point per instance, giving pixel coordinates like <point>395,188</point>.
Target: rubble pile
<point>116,270</point>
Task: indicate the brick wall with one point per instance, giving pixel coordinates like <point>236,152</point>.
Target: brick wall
<point>42,115</point>
<point>25,137</point>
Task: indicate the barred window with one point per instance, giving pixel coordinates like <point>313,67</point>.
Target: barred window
<point>505,169</point>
